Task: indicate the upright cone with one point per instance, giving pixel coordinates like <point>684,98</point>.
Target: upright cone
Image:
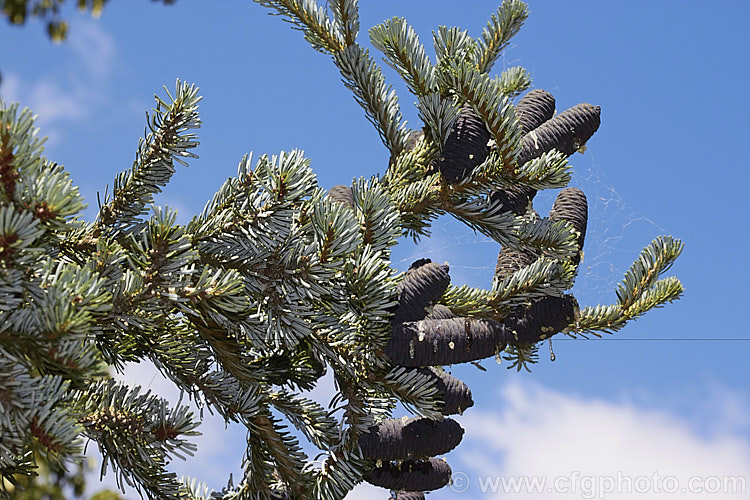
<point>535,108</point>
<point>424,283</point>
<point>424,475</point>
<point>342,194</point>
<point>466,146</point>
<point>570,205</point>
<point>566,132</point>
<point>542,319</point>
<point>410,438</point>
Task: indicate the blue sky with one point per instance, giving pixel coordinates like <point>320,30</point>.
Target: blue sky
<point>659,396</point>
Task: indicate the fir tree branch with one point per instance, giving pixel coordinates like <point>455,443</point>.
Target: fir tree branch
<point>483,179</point>
<point>654,260</point>
<point>549,171</point>
<point>438,113</point>
<point>20,150</point>
<point>513,81</point>
<point>466,301</point>
<point>640,291</point>
<point>50,195</point>
<point>52,422</point>
<point>340,473</point>
<point>377,216</point>
<point>161,254</point>
<point>259,470</point>
<point>661,292</point>
<point>364,78</point>
<point>227,349</point>
<point>609,319</point>
<point>215,293</point>
<point>452,45</point>
<point>360,72</point>
<point>312,20</point>
<point>557,238</point>
<point>400,44</point>
<point>346,14</point>
<point>35,410</point>
<point>491,220</point>
<point>542,278</point>
<point>274,185</point>
<point>170,140</point>
<point>181,358</point>
<point>308,416</point>
<point>418,203</point>
<point>410,166</point>
<point>337,234</point>
<point>501,27</point>
<point>521,356</point>
<point>343,468</point>
<point>284,450</point>
<point>20,233</point>
<point>363,328</point>
<point>136,434</point>
<point>415,390</point>
<point>492,106</point>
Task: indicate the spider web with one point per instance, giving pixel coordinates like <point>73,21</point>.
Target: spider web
<point>615,235</point>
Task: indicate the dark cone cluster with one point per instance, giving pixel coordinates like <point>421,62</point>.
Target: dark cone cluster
<point>425,335</point>
<point>509,261</point>
<point>535,108</point>
<point>433,342</point>
<point>439,311</point>
<point>412,438</point>
<point>570,205</point>
<point>456,394</point>
<point>424,283</point>
<point>466,146</point>
<point>424,475</point>
<point>542,319</point>
<point>343,194</point>
<point>516,199</point>
<point>409,445</point>
<point>566,132</point>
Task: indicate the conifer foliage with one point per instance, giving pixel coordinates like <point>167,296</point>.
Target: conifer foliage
<point>278,282</point>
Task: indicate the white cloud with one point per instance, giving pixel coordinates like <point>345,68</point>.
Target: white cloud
<point>581,448</point>
<point>733,415</point>
<point>95,49</point>
<point>367,491</point>
<point>51,102</point>
<point>73,91</point>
